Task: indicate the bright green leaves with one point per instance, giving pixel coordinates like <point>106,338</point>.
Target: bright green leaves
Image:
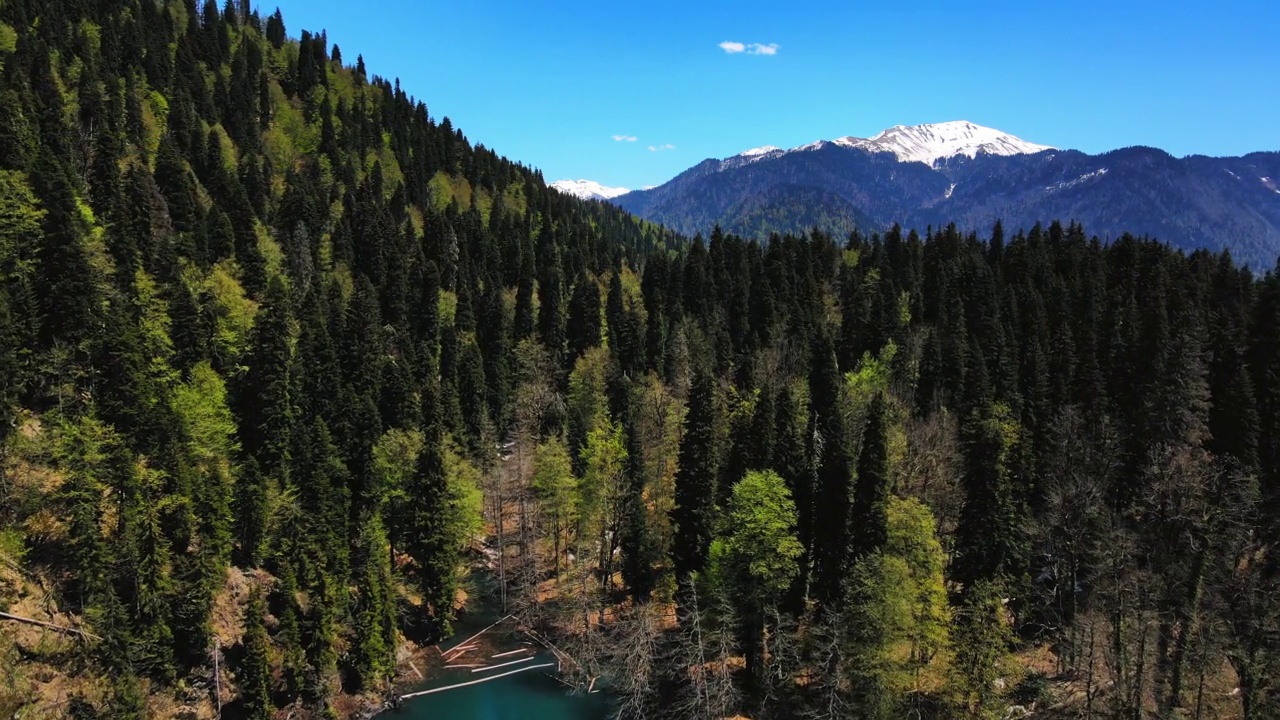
<point>759,544</point>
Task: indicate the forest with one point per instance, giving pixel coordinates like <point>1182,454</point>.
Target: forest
<point>285,358</point>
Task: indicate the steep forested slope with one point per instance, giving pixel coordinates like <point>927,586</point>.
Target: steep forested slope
<point>279,351</point>
<point>237,277</point>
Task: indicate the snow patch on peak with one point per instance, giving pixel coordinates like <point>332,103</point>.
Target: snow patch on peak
<point>932,143</point>
<point>746,157</point>
<point>928,144</point>
<point>1083,178</point>
<point>588,189</point>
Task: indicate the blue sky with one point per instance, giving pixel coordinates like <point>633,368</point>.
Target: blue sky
<point>551,83</point>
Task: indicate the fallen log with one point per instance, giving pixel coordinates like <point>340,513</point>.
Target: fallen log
<point>445,653</point>
<point>506,664</point>
<point>420,693</point>
<point>51,626</point>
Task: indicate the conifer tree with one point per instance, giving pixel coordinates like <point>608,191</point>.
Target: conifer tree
<point>255,673</point>
<point>989,542</point>
<point>264,402</point>
<point>551,319</point>
<point>869,521</point>
<point>637,541</point>
<point>429,543</point>
<point>695,488</point>
<point>834,472</point>
<point>584,318</point>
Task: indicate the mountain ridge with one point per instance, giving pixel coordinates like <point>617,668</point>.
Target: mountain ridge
<point>959,172</point>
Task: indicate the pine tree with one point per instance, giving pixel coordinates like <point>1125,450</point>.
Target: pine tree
<point>869,521</point>
<point>433,551</point>
<point>375,615</point>
<point>695,488</point>
<point>834,469</point>
<point>551,320</point>
<point>989,541</point>
<point>584,318</point>
<point>264,401</point>
<point>523,327</point>
<point>638,552</point>
<point>255,672</point>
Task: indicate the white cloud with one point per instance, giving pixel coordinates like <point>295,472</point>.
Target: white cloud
<point>734,48</point>
<point>661,148</point>
<point>625,138</point>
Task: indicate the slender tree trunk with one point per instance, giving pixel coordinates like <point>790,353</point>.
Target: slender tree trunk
<point>1140,670</point>
<point>1189,620</point>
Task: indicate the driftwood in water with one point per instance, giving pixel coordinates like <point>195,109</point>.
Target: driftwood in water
<point>462,645</point>
<point>43,624</point>
<point>506,664</point>
<point>420,693</point>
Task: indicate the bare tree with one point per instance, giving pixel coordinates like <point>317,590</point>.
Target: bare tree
<point>825,681</point>
<point>929,470</point>
<point>705,648</point>
<point>634,659</point>
<point>1074,524</point>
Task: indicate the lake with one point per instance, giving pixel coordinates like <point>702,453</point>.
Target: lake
<point>531,695</point>
<point>524,696</point>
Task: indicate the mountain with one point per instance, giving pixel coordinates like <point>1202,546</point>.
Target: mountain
<point>929,144</point>
<point>587,189</point>
<point>931,175</point>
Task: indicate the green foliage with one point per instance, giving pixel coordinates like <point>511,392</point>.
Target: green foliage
<point>154,328</point>
<point>980,640</point>
<point>587,402</point>
<point>759,546</point>
<point>394,456</point>
<point>374,652</point>
<point>878,614</point>
<point>465,502</point>
<point>244,326</point>
<point>913,540</point>
<point>233,313</point>
<point>557,489</point>
<point>20,227</point>
<point>254,675</point>
<point>604,460</point>
<point>872,376</point>
<point>201,405</point>
<point>8,39</point>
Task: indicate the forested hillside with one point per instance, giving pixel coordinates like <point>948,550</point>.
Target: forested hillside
<point>241,286</point>
<point>282,356</point>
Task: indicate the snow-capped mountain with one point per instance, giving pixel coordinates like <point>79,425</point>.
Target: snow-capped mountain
<point>588,189</point>
<point>931,175</point>
<point>928,144</point>
<point>942,141</point>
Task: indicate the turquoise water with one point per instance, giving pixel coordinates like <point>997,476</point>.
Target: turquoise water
<point>531,695</point>
<point>523,696</point>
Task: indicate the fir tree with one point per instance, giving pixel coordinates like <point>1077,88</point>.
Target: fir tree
<point>255,673</point>
<point>695,488</point>
<point>868,525</point>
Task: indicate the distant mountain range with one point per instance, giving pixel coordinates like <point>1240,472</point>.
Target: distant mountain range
<point>960,172</point>
<point>588,190</point>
